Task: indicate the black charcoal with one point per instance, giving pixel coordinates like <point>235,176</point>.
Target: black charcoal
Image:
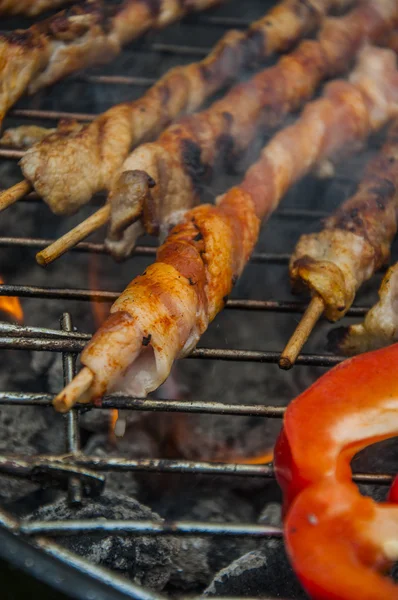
<point>147,560</point>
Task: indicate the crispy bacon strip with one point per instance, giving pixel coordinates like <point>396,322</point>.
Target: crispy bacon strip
<point>356,240</point>
<point>67,171</point>
<point>328,128</point>
<point>162,314</point>
<point>380,326</point>
<point>187,151</point>
<point>29,8</point>
<point>76,38</point>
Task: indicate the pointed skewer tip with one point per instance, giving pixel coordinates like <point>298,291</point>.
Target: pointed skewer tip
<point>302,333</point>
<point>74,391</point>
<point>73,237</point>
<point>285,363</point>
<point>41,259</point>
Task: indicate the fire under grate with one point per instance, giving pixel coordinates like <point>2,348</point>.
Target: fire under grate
<point>82,475</point>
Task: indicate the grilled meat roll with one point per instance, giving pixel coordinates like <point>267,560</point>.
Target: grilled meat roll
<point>380,326</point>
<point>67,170</point>
<point>24,136</point>
<point>355,241</point>
<point>162,313</point>
<point>77,37</point>
<point>186,152</point>
<point>29,8</point>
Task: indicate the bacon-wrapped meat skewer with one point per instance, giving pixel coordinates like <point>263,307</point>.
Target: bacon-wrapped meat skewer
<point>162,313</point>
<point>380,326</point>
<point>67,170</point>
<point>353,245</point>
<point>186,152</point>
<point>29,8</point>
<point>77,37</point>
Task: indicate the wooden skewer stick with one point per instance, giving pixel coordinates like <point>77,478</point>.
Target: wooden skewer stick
<point>74,236</point>
<point>14,193</point>
<point>74,391</point>
<point>303,330</point>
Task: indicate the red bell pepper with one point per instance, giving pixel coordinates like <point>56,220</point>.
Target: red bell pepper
<point>341,544</point>
<point>393,494</point>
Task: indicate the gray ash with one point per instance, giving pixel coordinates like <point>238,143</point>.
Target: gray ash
<point>264,572</point>
<point>260,573</point>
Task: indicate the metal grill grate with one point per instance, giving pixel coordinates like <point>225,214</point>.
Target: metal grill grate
<point>81,473</point>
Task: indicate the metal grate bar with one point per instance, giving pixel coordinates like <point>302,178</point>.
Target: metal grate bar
<point>91,464</point>
<point>228,354</point>
<point>292,213</point>
<point>53,474</point>
<point>162,47</point>
<point>129,527</point>
<point>50,115</point>
<point>168,405</point>
<point>26,291</point>
<point>39,243</point>
<point>72,418</point>
<point>209,19</point>
<point>97,574</point>
<point>11,329</point>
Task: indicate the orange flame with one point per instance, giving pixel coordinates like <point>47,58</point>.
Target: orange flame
<point>100,309</point>
<point>100,312</point>
<point>262,459</point>
<point>182,433</point>
<point>112,425</point>
<point>11,306</point>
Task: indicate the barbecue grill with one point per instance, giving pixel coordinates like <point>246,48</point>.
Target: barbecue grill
<point>31,545</point>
